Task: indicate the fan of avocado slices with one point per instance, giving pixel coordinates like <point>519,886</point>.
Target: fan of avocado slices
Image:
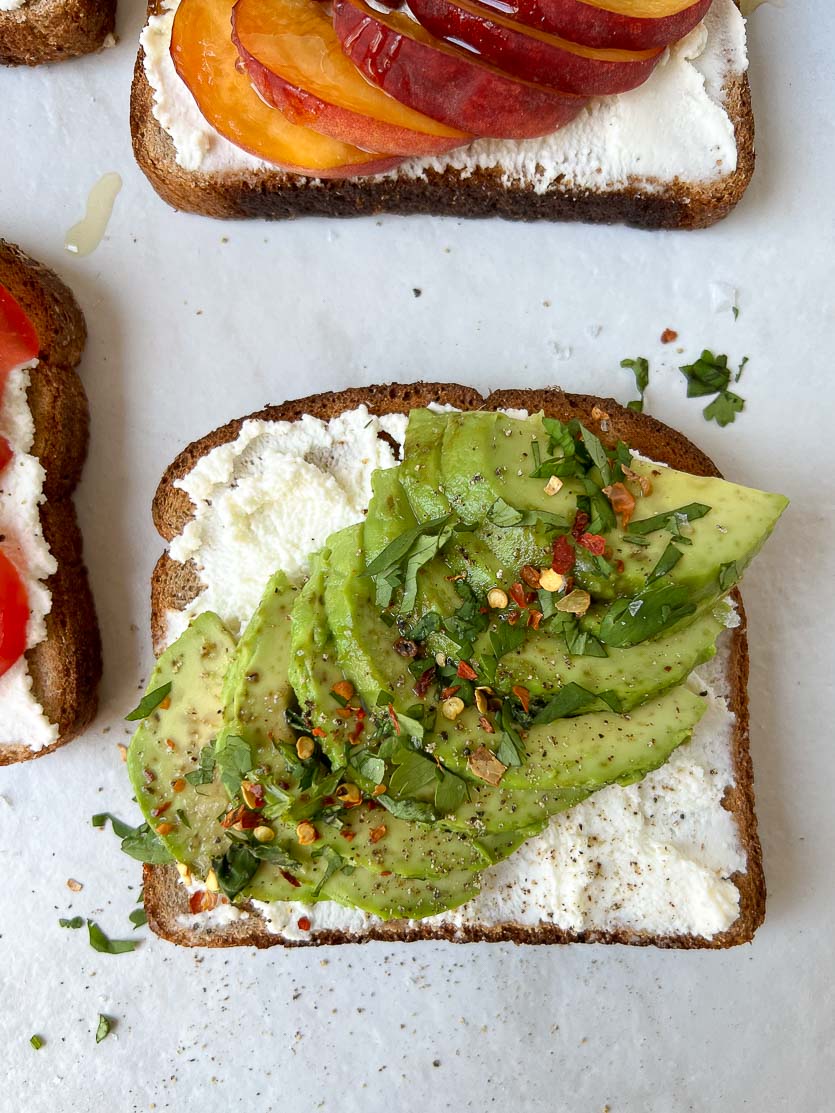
<point>510,629</point>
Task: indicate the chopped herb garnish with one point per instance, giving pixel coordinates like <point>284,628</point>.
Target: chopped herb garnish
<point>75,923</point>
<point>368,765</point>
<point>119,828</point>
<point>728,575</point>
<point>145,845</point>
<point>724,408</point>
<point>667,561</point>
<point>235,869</point>
<point>413,771</point>
<point>657,607</point>
<point>103,1028</point>
<point>414,810</point>
<point>149,703</point>
<point>671,520</point>
<point>428,624</point>
<point>138,917</point>
<point>450,791</point>
<point>401,560</point>
<point>640,369</point>
<point>36,1042</point>
<point>334,863</point>
<point>233,758</point>
<point>573,699</point>
<point>511,749</point>
<point>710,374</point>
<point>100,942</point>
<point>204,772</point>
<point>505,516</point>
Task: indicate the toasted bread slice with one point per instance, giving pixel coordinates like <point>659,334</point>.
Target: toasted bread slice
<point>672,202</point>
<point>66,666</point>
<point>174,585</point>
<point>51,30</point>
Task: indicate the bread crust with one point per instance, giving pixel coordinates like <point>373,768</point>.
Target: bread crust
<point>275,195</point>
<point>66,666</point>
<point>175,585</point>
<point>51,30</point>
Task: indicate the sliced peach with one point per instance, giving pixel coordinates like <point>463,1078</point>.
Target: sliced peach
<point>206,59</point>
<point>445,81</point>
<point>295,61</point>
<point>534,55</point>
<point>621,24</point>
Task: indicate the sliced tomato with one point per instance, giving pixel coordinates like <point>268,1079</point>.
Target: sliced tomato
<point>14,614</point>
<point>18,339</point>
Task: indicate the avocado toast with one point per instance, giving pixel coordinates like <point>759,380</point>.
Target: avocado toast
<point>364,750</point>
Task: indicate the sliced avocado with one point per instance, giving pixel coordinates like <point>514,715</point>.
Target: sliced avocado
<point>494,811</point>
<point>257,691</point>
<point>589,751</point>
<point>364,643</point>
<point>420,470</point>
<point>389,512</point>
<point>542,666</point>
<point>168,742</point>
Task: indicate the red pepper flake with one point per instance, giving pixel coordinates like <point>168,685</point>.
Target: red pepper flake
<point>343,712</point>
<point>593,542</point>
<point>466,671</point>
<point>523,695</point>
<point>304,923</point>
<point>394,719</point>
<point>513,618</point>
<point>377,833</point>
<point>288,877</point>
<point>564,555</point>
<point>581,520</point>
<point>201,901</point>
<point>348,836</point>
<point>161,810</point>
<point>668,336</point>
<point>149,776</point>
<point>517,594</point>
<point>242,819</point>
<point>534,619</point>
<point>530,575</point>
<point>385,873</point>
<point>425,679</point>
<point>447,692</point>
<point>486,725</point>
<point>317,732</point>
<point>360,727</point>
<point>619,566</point>
<point>622,500</point>
<point>328,801</point>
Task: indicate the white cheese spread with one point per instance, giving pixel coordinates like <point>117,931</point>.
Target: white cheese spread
<point>674,127</point>
<point>11,5</point>
<point>22,719</point>
<point>656,856</point>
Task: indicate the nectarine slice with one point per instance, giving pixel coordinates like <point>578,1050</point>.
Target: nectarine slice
<point>534,55</point>
<point>206,59</point>
<point>622,24</point>
<point>445,81</point>
<point>296,63</point>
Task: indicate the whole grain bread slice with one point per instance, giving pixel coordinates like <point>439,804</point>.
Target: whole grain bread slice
<point>174,585</point>
<point>66,666</point>
<point>51,30</point>
<point>276,195</point>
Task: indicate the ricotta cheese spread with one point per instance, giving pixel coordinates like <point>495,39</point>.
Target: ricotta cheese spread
<point>11,5</point>
<point>22,719</point>
<point>673,127</point>
<point>657,856</point>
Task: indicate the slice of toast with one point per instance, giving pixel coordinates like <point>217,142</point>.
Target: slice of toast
<point>66,666</point>
<point>174,585</point>
<point>443,189</point>
<point>51,30</point>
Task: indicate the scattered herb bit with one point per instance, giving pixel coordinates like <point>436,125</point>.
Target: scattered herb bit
<point>412,773</point>
<point>235,869</point>
<point>728,575</point>
<point>122,830</point>
<point>100,942</point>
<point>401,560</point>
<point>204,772</point>
<point>36,1042</point>
<point>334,863</point>
<point>428,624</point>
<point>145,845</point>
<point>667,561</point>
<point>369,766</point>
<point>103,1028</point>
<point>149,703</point>
<point>671,520</point>
<point>724,408</point>
<point>450,792</point>
<point>138,917</point>
<point>415,810</point>
<point>735,311</point>
<point>511,749</point>
<point>656,607</point>
<point>573,699</point>
<point>710,374</point>
<point>233,758</point>
<point>75,923</point>
<point>640,369</point>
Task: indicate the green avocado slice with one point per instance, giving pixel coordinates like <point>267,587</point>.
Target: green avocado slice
<point>589,751</point>
<point>167,744</point>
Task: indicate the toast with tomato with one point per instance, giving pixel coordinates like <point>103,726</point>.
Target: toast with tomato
<point>634,111</point>
<point>37,31</point>
<point>50,652</point>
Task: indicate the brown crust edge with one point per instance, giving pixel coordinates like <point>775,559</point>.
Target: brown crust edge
<point>165,897</point>
<point>65,667</point>
<point>274,195</point>
<point>50,31</point>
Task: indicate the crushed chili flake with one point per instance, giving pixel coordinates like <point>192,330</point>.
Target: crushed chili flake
<point>447,692</point>
<point>165,703</point>
<point>161,810</point>
<point>343,712</point>
<point>668,336</point>
<point>360,727</point>
<point>288,877</point>
<point>393,716</point>
<point>486,725</point>
<point>619,566</point>
<point>317,732</point>
<point>523,695</point>
<point>530,575</point>
<point>344,689</point>
<point>622,500</point>
<point>486,766</point>
<point>594,542</point>
<point>425,679</point>
<point>377,833</point>
<point>202,901</point>
<point>518,595</point>
<point>348,836</point>
<point>564,555</point>
<point>466,671</point>
<point>179,785</point>
<point>513,618</point>
<point>406,648</point>
<point>534,619</point>
<point>241,818</point>
<point>304,923</point>
<point>581,520</point>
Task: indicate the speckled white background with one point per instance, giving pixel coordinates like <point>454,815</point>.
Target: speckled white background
<point>193,322</point>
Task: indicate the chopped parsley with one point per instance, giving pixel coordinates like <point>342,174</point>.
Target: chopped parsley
<point>149,703</point>
<point>640,369</point>
<point>75,923</point>
<point>36,1042</point>
<point>100,942</point>
<point>398,564</point>
<point>102,1028</point>
<point>710,374</point>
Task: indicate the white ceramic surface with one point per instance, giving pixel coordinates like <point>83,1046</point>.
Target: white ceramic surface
<point>194,321</point>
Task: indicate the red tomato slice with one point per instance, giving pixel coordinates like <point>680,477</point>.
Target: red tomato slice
<point>5,453</point>
<point>14,614</point>
<point>18,339</point>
